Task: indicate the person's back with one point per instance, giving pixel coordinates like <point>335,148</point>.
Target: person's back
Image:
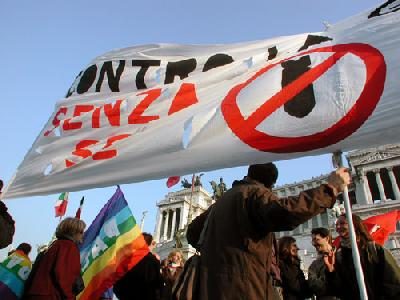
<point>14,271</point>
<point>56,273</point>
<point>236,252</point>
<point>143,281</point>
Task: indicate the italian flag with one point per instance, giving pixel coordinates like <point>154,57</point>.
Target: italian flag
<point>78,212</point>
<point>61,205</point>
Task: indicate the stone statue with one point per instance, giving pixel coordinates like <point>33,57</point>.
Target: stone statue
<point>186,184</point>
<point>197,181</point>
<point>179,236</point>
<point>218,189</point>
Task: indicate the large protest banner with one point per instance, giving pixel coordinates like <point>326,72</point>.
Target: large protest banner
<point>153,111</point>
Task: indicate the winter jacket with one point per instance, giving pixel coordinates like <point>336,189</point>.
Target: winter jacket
<point>294,284</point>
<point>317,280</point>
<point>236,252</point>
<point>143,281</point>
<point>55,273</point>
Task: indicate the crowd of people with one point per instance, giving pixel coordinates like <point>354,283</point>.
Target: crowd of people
<point>240,256</point>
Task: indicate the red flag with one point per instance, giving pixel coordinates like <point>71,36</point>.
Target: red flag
<point>78,212</point>
<point>381,226</point>
<point>61,205</point>
<point>173,180</point>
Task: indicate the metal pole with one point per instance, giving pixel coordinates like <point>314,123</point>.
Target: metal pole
<point>191,203</point>
<point>142,220</point>
<point>337,159</point>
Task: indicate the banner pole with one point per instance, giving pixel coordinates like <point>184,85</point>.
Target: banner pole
<point>191,202</point>
<point>338,161</point>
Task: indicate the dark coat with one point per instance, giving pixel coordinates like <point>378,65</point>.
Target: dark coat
<point>381,274</point>
<point>55,273</point>
<point>169,281</point>
<point>143,281</point>
<point>294,284</point>
<point>7,226</point>
<point>236,254</point>
<point>317,280</point>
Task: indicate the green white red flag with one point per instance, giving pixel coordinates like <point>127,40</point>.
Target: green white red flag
<point>61,205</point>
<point>78,212</point>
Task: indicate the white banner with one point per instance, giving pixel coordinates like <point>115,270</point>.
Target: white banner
<point>154,111</point>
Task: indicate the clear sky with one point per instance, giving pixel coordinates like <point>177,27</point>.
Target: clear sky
<point>44,44</point>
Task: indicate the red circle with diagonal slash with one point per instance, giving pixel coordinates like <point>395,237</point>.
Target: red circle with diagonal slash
<point>245,129</point>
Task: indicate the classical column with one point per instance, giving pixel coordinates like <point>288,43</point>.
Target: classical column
<point>166,225</point>
<point>173,223</point>
<point>366,189</point>
<point>159,221</point>
<point>181,223</point>
<point>319,220</point>
<point>380,185</point>
<point>310,227</point>
<point>395,187</point>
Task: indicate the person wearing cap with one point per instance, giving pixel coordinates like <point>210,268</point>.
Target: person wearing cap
<point>236,253</point>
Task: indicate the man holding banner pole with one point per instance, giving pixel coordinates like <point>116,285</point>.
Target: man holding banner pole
<point>237,260</point>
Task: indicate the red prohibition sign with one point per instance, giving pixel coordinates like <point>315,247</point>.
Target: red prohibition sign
<point>245,129</point>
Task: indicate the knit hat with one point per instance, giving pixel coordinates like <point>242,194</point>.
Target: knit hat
<point>267,173</point>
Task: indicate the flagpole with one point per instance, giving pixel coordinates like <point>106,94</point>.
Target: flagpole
<point>337,159</point>
<point>191,203</point>
<point>142,220</point>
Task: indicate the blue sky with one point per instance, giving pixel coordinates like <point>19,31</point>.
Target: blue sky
<point>44,44</point>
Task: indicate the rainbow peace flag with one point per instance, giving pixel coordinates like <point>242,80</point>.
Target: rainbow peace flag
<point>112,245</point>
<point>14,270</point>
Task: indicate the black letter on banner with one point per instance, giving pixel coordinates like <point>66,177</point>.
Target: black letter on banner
<point>303,103</point>
<point>87,79</point>
<point>314,40</point>
<point>113,81</point>
<point>71,89</point>
<point>216,61</point>
<point>272,52</point>
<point>180,68</point>
<point>144,66</point>
<point>384,9</point>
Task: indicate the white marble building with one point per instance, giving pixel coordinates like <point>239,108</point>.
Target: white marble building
<point>172,216</point>
<point>375,190</point>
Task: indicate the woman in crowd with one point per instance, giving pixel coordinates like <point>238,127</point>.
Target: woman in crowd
<point>381,272</point>
<point>294,283</point>
<point>170,272</point>
<point>56,271</point>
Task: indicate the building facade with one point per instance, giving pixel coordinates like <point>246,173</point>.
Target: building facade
<point>174,212</point>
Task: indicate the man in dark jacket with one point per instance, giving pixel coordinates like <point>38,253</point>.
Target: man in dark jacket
<point>236,252</point>
<point>144,280</point>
